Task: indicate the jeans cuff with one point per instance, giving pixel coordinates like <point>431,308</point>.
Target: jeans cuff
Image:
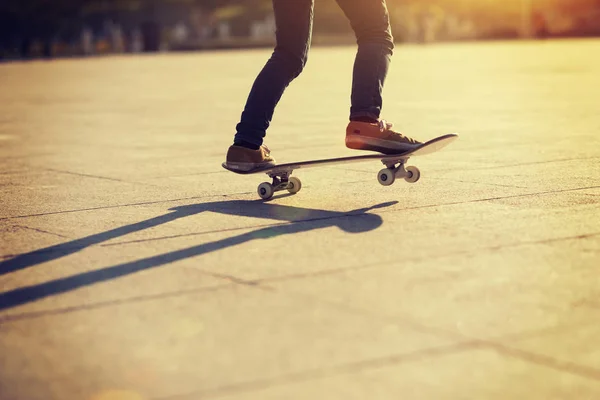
<point>359,114</point>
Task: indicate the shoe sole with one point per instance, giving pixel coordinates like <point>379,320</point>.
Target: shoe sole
<point>246,167</point>
<point>379,145</point>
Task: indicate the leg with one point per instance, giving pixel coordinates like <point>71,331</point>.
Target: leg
<point>370,21</point>
<point>366,131</point>
<point>294,29</point>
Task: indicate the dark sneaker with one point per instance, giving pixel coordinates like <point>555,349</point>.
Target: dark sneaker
<point>377,136</point>
<point>245,159</point>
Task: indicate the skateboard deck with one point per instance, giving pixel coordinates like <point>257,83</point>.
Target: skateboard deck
<point>395,167</point>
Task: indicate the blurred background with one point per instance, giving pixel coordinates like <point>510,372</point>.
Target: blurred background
<point>32,29</point>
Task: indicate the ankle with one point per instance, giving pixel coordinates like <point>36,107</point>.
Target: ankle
<point>370,120</point>
<point>247,145</point>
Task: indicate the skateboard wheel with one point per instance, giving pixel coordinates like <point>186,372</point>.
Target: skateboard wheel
<point>265,190</point>
<point>294,185</point>
<point>413,174</point>
<point>386,177</point>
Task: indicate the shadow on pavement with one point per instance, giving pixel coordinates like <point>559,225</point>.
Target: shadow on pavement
<point>293,220</point>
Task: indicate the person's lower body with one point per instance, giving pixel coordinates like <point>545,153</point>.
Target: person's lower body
<point>366,131</point>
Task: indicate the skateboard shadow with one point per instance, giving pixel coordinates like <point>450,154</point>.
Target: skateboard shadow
<point>289,219</point>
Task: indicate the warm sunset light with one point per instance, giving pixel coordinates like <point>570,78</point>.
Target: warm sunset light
<point>299,199</point>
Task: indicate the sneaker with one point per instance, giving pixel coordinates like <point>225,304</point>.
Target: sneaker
<point>245,159</point>
<point>377,136</point>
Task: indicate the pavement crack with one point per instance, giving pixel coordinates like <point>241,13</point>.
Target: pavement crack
<point>194,234</point>
<point>490,199</point>
<point>111,303</point>
<point>101,177</point>
<point>327,372</point>
<point>41,231</point>
<point>533,163</point>
<point>143,203</point>
<point>190,174</point>
<point>480,183</point>
<point>85,175</point>
<point>547,361</point>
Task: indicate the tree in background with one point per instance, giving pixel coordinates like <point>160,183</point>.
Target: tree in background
<point>25,22</point>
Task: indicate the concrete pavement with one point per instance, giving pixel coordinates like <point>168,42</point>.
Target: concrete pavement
<point>132,266</point>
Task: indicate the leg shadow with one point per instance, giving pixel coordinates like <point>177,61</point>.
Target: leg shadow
<point>294,220</point>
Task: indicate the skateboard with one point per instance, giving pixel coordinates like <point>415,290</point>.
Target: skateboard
<point>394,167</point>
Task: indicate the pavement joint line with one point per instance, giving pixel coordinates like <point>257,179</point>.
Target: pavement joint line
<point>100,177</point>
<point>4,319</point>
<point>328,372</point>
<point>341,270</point>
<point>41,231</point>
<point>479,183</point>
<point>587,303</point>
<point>27,157</point>
<point>495,198</point>
<point>461,169</point>
<point>122,205</point>
<point>542,332</point>
<point>19,171</point>
<point>547,361</point>
<point>544,241</point>
<point>85,175</point>
<point>532,163</point>
<point>205,233</point>
<point>494,166</point>
<point>235,280</point>
<point>185,175</point>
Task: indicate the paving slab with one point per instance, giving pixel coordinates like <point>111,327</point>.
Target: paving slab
<point>480,294</point>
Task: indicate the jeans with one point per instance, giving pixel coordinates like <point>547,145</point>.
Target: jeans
<point>294,19</point>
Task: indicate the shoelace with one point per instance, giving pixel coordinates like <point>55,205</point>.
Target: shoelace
<point>387,126</point>
<point>384,125</point>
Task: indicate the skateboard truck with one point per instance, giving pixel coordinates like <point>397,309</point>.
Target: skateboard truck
<point>388,175</point>
<point>281,181</point>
